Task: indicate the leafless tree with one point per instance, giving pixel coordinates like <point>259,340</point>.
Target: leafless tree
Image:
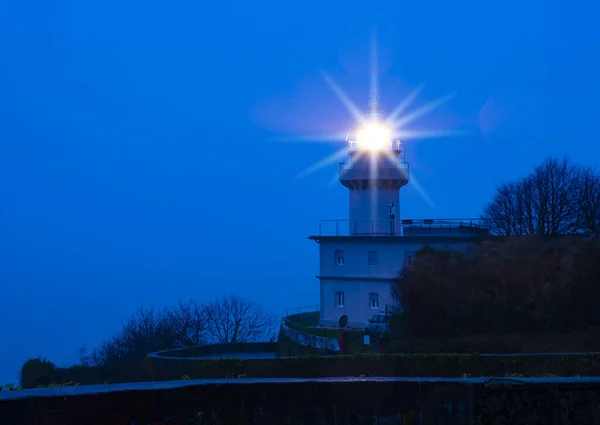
<point>146,331</point>
<point>541,203</point>
<point>587,201</point>
<point>554,183</point>
<point>228,319</point>
<point>234,319</point>
<point>189,322</point>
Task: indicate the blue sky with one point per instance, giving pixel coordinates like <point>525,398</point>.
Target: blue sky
<point>137,158</point>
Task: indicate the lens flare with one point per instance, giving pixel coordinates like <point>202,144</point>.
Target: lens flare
<point>373,134</point>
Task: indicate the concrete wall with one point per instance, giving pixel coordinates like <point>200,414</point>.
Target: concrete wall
<point>327,401</point>
<point>357,278</point>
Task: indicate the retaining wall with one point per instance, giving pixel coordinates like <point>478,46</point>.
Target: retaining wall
<point>326,401</point>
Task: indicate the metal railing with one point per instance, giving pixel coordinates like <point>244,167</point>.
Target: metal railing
<point>303,309</point>
<point>404,227</point>
<point>301,333</point>
<point>393,145</point>
<point>350,165</point>
<point>316,341</point>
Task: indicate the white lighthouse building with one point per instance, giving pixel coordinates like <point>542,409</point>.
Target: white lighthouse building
<point>361,257</point>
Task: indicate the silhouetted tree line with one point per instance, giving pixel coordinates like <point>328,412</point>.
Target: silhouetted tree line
<point>557,197</point>
<point>226,319</point>
<point>524,284</point>
<point>537,275</point>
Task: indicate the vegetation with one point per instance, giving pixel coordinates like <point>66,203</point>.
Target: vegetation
<point>437,365</point>
<point>558,197</point>
<point>529,284</point>
<point>228,319</point>
<point>544,280</point>
<point>10,387</point>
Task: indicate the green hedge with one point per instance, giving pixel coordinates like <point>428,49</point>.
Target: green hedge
<point>432,365</point>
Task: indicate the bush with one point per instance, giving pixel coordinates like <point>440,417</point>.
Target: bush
<point>38,371</point>
<point>525,284</point>
<point>435,365</point>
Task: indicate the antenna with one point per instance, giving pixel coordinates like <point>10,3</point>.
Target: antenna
<point>373,104</point>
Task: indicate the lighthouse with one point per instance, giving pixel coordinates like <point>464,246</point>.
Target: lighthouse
<point>362,256</point>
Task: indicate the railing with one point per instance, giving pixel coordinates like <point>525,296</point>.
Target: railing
<point>402,165</point>
<point>395,145</point>
<point>316,341</point>
<point>304,309</point>
<point>404,227</point>
<point>294,326</point>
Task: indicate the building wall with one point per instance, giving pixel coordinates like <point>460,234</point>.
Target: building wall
<point>356,278</point>
<point>356,301</point>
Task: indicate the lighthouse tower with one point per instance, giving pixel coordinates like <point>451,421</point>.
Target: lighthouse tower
<point>373,175</point>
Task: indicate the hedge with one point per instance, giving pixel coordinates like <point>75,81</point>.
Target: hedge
<point>406,365</point>
<point>533,342</point>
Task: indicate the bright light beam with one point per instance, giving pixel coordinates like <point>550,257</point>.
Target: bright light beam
<point>373,174</point>
<point>350,164</point>
<point>420,190</point>
<point>405,104</point>
<point>354,111</point>
<point>421,111</point>
<point>374,71</point>
<point>426,134</point>
<point>332,158</point>
<point>318,138</point>
<point>414,182</point>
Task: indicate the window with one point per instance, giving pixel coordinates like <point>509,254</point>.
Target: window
<point>372,258</point>
<point>339,258</point>
<point>339,299</point>
<point>374,300</point>
<point>408,257</point>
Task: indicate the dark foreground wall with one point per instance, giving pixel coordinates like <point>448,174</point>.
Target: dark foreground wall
<point>311,401</point>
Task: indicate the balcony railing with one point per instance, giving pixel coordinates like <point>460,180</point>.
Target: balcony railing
<point>404,227</point>
<point>349,165</point>
<point>393,145</point>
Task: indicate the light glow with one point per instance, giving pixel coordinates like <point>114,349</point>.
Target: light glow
<point>373,137</point>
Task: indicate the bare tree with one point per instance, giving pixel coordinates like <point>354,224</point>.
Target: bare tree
<point>587,201</point>
<point>504,213</point>
<point>228,319</point>
<point>189,321</point>
<point>554,183</point>
<point>146,331</point>
<point>541,203</point>
<point>234,319</point>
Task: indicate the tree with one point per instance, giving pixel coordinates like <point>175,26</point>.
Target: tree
<point>542,203</point>
<point>587,201</point>
<point>228,319</point>
<point>234,319</point>
<point>36,372</point>
<point>189,323</point>
<point>148,330</point>
<point>525,284</point>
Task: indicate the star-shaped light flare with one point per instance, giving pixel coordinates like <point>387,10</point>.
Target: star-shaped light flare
<point>376,132</point>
